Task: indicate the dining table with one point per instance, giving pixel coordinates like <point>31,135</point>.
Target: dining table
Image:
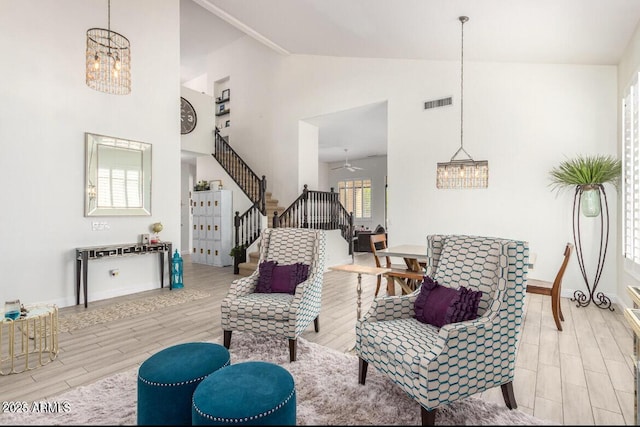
<point>415,258</point>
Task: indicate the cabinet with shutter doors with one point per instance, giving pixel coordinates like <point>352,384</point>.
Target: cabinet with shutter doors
<point>212,227</point>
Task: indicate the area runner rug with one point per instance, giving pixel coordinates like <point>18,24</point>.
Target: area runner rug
<point>73,321</point>
<point>327,390</point>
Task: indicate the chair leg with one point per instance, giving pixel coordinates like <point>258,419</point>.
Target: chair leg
<point>292,350</point>
<point>391,287</point>
<point>227,339</point>
<point>362,370</point>
<point>377,286</point>
<point>555,308</point>
<point>316,324</point>
<point>509,397</point>
<point>428,416</point>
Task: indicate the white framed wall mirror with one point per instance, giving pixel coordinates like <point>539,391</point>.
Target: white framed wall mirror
<point>117,176</point>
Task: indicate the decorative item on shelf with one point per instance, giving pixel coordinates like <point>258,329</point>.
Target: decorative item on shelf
<point>108,64</point>
<point>202,186</point>
<point>215,184</point>
<point>587,175</point>
<point>12,309</point>
<point>177,271</point>
<point>462,173</point>
<point>226,94</point>
<point>156,228</point>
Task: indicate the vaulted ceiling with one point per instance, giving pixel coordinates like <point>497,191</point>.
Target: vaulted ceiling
<point>539,31</point>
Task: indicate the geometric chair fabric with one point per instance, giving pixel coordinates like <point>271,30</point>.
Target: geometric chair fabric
<point>438,366</point>
<point>279,314</point>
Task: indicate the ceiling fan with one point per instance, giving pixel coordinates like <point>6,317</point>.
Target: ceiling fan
<point>347,165</point>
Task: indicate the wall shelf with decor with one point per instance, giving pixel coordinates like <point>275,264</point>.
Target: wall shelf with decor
<point>222,93</point>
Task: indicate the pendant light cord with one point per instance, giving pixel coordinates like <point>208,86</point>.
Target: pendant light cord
<point>463,19</point>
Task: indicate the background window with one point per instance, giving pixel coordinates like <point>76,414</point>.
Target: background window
<point>355,196</point>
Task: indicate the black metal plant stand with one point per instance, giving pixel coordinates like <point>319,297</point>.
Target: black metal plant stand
<point>599,299</point>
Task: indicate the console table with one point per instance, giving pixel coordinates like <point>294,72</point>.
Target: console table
<point>83,255</point>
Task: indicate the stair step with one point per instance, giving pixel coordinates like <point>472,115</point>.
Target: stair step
<point>247,268</point>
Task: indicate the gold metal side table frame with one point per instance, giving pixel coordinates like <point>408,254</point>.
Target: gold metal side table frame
<point>29,342</point>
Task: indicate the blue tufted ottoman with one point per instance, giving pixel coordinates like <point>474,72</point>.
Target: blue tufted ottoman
<point>167,380</point>
<point>255,393</point>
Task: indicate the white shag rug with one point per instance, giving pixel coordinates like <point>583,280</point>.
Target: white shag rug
<point>327,390</point>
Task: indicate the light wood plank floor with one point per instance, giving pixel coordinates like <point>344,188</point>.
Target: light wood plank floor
<point>583,375</point>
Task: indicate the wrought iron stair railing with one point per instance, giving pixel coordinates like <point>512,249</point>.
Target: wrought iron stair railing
<point>248,181</point>
<point>312,209</point>
<point>320,210</point>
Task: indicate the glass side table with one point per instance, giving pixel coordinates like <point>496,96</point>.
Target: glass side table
<point>29,341</point>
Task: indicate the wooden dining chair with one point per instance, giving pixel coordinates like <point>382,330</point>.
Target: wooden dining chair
<point>552,289</point>
<point>407,278</point>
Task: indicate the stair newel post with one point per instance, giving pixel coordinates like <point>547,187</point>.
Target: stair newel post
<point>351,234</point>
<point>238,257</point>
<point>305,199</point>
<point>333,201</point>
<point>274,222</point>
<point>263,195</point>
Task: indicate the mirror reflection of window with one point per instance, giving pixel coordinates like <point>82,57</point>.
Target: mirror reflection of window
<point>119,184</point>
<point>117,176</point>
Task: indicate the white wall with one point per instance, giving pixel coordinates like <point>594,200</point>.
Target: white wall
<point>308,155</point>
<point>47,107</point>
<point>200,140</point>
<point>523,118</point>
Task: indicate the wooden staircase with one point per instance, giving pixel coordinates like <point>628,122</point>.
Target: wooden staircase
<point>248,267</point>
<point>312,209</point>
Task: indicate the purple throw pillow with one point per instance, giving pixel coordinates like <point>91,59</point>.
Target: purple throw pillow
<point>439,305</point>
<point>281,278</point>
<point>265,272</point>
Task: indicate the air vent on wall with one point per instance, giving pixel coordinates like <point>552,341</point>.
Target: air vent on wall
<point>443,102</point>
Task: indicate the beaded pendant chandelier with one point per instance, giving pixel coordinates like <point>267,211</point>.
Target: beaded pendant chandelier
<point>108,60</point>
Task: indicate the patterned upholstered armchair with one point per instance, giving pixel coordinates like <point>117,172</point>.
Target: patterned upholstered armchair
<point>438,366</point>
<point>279,313</point>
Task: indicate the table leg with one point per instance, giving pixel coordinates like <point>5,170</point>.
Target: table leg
<point>169,258</point>
<point>359,294</point>
<point>78,273</point>
<point>161,253</point>
<point>85,269</point>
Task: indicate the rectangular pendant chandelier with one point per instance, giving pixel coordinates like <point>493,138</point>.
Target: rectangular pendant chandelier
<point>461,174</point>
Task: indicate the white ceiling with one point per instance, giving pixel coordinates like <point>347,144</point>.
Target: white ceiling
<point>541,31</point>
